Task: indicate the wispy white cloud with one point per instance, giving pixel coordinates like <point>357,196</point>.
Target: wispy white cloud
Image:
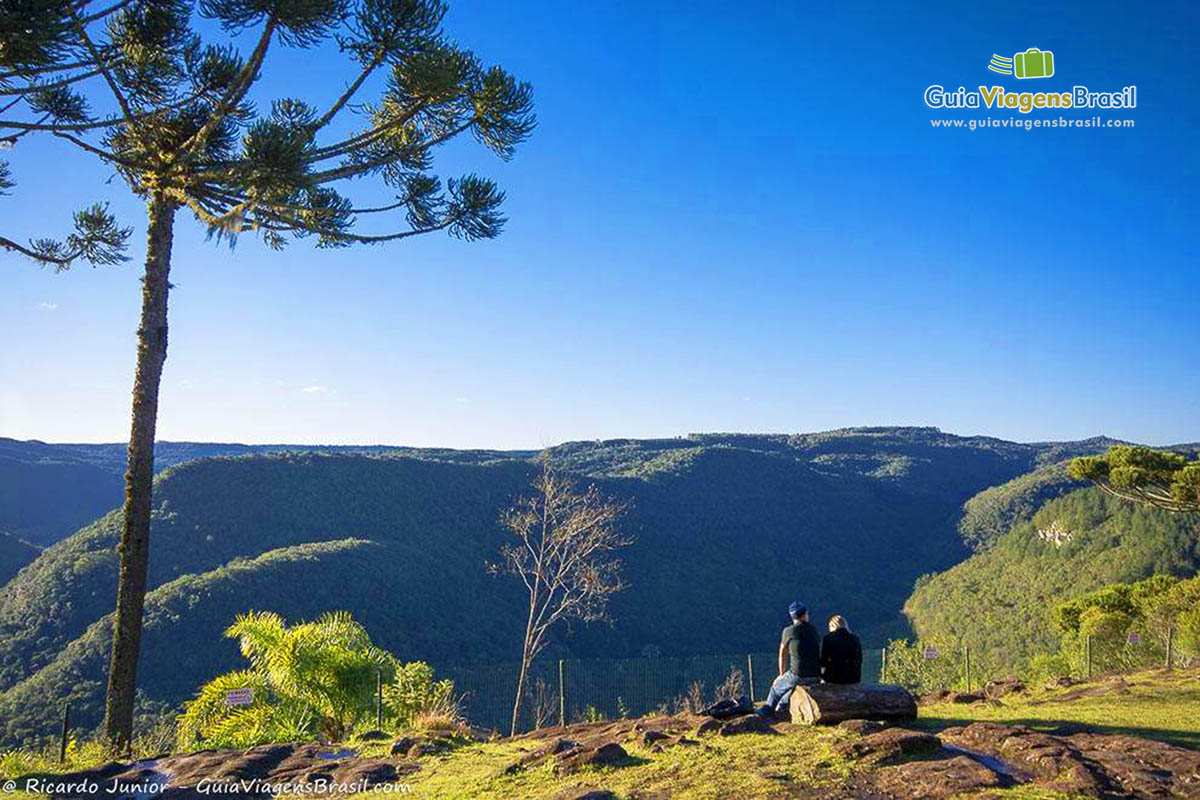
<point>47,306</point>
<point>316,389</point>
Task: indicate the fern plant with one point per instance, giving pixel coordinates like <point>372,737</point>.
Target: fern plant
<point>307,679</point>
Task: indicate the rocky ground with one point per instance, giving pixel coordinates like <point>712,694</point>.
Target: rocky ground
<point>687,755</point>
<point>885,762</point>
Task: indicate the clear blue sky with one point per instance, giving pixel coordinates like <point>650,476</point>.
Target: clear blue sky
<point>733,216</point>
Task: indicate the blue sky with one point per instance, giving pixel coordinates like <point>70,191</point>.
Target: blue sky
<point>731,217</point>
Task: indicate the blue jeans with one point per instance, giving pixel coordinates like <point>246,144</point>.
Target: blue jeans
<point>781,691</point>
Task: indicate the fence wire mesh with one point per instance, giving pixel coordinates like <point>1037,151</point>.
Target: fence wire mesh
<point>579,690</point>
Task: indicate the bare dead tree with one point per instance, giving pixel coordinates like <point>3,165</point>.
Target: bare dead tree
<point>563,550</point>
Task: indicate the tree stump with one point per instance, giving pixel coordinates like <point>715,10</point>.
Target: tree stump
<point>831,703</point>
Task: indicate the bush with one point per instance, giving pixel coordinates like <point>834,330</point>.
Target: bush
<point>1046,666</point>
<point>908,666</point>
<point>314,678</point>
<point>415,700</point>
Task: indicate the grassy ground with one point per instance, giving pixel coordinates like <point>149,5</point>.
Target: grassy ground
<point>799,762</point>
<point>719,767</point>
<point>1159,705</point>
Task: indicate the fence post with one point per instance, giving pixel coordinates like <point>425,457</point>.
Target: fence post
<point>967,665</point>
<point>1170,641</point>
<point>378,698</point>
<point>66,732</point>
<point>562,696</point>
<point>1087,649</point>
<point>883,666</point>
<point>750,673</point>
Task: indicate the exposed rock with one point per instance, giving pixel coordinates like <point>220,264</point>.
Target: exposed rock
<point>255,763</point>
<point>751,723</point>
<point>890,744</point>
<point>1116,686</point>
<point>936,696</point>
<point>555,747</point>
<point>584,793</point>
<point>372,736</point>
<point>1089,764</point>
<point>650,737</point>
<point>1061,682</point>
<point>994,690</point>
<point>369,772</point>
<point>931,779</point>
<point>708,726</point>
<point>606,755</point>
<point>863,727</point>
<point>401,746</point>
<point>294,764</point>
<point>965,697</point>
<point>428,747</point>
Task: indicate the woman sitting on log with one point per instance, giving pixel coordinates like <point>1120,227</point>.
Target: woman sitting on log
<point>841,653</point>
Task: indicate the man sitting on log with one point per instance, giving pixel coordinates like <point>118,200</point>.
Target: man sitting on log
<point>799,659</point>
<point>841,653</point>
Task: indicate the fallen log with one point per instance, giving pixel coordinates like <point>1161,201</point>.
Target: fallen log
<point>831,703</point>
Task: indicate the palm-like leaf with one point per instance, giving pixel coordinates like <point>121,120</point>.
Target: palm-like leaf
<point>323,672</point>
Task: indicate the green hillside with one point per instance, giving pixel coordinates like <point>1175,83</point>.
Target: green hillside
<point>49,491</point>
<point>729,528</point>
<point>1000,600</point>
<point>14,554</point>
<point>992,513</point>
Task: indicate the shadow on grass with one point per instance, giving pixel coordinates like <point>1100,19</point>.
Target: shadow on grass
<point>1063,727</point>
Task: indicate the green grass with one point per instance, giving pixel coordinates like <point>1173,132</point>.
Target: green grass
<point>718,767</point>
<point>1160,705</point>
<point>798,762</point>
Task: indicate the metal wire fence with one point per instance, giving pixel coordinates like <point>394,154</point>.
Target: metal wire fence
<point>578,690</point>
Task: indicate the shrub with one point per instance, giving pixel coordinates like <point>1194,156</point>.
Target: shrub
<point>908,666</point>
<point>1045,666</point>
<point>312,678</point>
<point>415,700</point>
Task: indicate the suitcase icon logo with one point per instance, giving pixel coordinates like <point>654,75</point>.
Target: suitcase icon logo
<point>1033,63</point>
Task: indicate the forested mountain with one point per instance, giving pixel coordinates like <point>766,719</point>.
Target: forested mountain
<point>14,554</point>
<point>1000,600</point>
<point>49,491</point>
<point>729,529</point>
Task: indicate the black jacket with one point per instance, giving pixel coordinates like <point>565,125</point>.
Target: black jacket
<point>841,657</point>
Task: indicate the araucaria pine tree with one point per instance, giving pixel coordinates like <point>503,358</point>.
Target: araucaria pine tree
<point>135,84</point>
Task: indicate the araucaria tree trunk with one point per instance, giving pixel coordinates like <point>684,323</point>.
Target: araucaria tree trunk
<point>139,477</point>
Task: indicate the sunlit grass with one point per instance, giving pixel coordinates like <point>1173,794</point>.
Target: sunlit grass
<point>1159,705</point>
<point>718,767</point>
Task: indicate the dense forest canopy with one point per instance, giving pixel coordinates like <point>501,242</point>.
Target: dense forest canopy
<point>729,528</point>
